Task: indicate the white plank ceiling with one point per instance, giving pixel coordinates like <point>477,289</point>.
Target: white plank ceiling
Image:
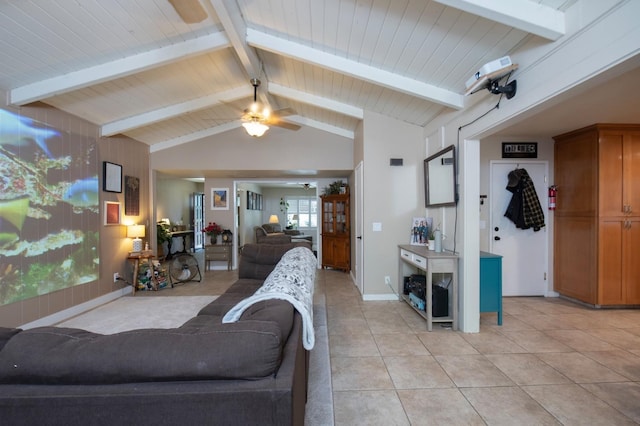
<point>136,67</point>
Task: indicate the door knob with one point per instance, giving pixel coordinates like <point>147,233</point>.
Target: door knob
<point>360,237</point>
<point>496,238</point>
<point>496,229</point>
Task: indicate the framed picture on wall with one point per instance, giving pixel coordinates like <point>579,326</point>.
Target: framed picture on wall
<point>111,177</point>
<point>111,213</point>
<point>219,198</point>
<point>131,196</point>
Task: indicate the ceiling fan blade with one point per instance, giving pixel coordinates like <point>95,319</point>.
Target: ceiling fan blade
<point>284,112</point>
<point>283,124</point>
<point>191,11</point>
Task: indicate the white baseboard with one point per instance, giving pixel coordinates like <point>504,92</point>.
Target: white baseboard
<point>379,297</point>
<point>76,310</point>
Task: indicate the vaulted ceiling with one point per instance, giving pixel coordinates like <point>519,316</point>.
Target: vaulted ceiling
<point>170,72</point>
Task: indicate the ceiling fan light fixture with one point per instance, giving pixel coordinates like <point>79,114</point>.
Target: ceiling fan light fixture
<point>254,108</point>
<point>255,128</point>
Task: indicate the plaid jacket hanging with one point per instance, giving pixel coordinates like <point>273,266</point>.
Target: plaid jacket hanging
<point>524,208</point>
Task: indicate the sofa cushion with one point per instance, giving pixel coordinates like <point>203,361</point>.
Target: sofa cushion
<point>270,228</point>
<point>6,334</point>
<point>209,350</point>
<point>279,311</point>
<point>246,286</point>
<point>258,260</point>
<point>222,304</point>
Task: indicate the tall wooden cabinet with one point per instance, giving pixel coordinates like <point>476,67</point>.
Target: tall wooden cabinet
<point>597,218</point>
<point>336,235</point>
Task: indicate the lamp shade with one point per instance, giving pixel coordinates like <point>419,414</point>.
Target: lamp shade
<point>255,128</point>
<point>273,219</point>
<point>135,232</point>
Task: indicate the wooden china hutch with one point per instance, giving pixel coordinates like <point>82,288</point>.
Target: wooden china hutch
<point>336,233</point>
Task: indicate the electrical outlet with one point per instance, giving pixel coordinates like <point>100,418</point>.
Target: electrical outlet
<point>387,280</point>
<point>116,277</point>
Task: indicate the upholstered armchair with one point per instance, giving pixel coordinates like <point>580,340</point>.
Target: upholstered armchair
<point>263,236</point>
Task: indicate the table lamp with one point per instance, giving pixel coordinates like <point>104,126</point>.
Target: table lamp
<point>135,232</point>
<point>273,219</point>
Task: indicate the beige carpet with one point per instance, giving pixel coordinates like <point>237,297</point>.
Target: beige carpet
<point>129,313</point>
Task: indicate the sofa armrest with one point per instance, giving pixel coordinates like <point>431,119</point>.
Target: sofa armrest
<point>274,239</point>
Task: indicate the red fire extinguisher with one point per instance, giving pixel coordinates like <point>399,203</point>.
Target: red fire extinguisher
<point>553,192</point>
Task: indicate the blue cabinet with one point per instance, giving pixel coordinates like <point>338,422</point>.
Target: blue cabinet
<point>491,284</point>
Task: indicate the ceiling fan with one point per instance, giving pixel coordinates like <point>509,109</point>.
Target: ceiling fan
<point>257,118</point>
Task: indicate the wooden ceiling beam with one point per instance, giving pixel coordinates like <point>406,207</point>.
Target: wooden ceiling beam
<point>172,111</point>
<point>235,27</point>
<point>317,101</point>
<point>524,15</point>
<point>354,69</point>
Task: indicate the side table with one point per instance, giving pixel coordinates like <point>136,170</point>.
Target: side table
<point>135,259</point>
<point>218,252</point>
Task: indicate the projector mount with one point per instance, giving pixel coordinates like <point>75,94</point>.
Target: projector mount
<point>509,90</point>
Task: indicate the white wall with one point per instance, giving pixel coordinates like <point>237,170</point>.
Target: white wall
<point>248,219</point>
<point>393,195</point>
<point>279,149</point>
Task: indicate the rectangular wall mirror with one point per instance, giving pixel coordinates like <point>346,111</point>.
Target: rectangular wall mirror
<point>440,178</point>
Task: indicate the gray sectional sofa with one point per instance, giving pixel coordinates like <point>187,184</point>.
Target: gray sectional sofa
<point>250,372</point>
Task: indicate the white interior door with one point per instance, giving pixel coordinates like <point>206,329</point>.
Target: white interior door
<point>523,251</point>
<point>358,200</point>
<point>197,203</point>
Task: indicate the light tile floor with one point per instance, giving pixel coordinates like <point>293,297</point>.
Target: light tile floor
<point>551,362</point>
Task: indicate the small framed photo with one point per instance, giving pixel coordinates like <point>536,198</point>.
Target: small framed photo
<point>421,229</point>
<point>219,198</point>
<point>111,177</point>
<point>111,213</point>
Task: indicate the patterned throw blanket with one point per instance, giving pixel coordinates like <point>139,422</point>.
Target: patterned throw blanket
<point>292,280</point>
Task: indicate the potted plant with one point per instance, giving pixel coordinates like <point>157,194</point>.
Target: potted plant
<point>162,235</point>
<point>283,205</point>
<point>213,230</point>
<point>334,188</point>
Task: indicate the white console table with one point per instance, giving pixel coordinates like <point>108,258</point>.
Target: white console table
<point>419,258</point>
